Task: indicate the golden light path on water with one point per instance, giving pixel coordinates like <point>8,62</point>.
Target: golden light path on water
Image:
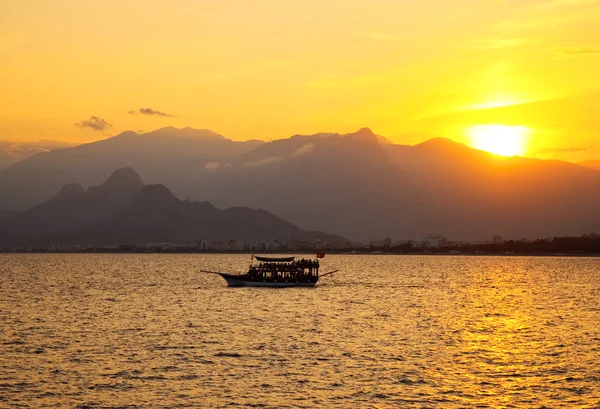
<point>149,331</point>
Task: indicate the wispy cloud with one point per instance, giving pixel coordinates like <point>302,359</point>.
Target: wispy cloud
<point>550,14</point>
<point>578,51</point>
<point>308,148</point>
<point>495,43</point>
<point>341,82</point>
<point>265,161</point>
<point>303,150</point>
<point>381,36</point>
<point>216,165</point>
<point>11,152</point>
<point>95,123</point>
<point>149,111</point>
<point>247,71</point>
<point>541,22</point>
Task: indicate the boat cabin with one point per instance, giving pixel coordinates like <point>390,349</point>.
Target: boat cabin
<point>283,269</point>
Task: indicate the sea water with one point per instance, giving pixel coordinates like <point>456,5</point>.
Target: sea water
<point>151,331</point>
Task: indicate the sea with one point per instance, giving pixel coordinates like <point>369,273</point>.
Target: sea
<point>131,331</point>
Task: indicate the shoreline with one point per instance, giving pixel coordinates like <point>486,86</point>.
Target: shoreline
<point>357,253</point>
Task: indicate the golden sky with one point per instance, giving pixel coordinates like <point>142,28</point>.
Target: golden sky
<point>408,69</point>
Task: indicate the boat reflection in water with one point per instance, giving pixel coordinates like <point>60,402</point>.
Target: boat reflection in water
<point>276,272</point>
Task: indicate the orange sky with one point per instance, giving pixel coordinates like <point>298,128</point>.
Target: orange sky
<point>409,69</point>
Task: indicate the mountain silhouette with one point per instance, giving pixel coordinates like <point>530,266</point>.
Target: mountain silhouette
<point>73,207</point>
<point>344,182</point>
<point>155,215</point>
<point>123,210</point>
<point>591,164</point>
<point>363,189</point>
<point>478,194</point>
<point>167,155</point>
<point>357,185</point>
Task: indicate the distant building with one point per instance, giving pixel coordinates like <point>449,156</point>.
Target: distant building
<point>376,243</point>
<point>272,245</point>
<point>497,240</point>
<point>318,245</point>
<point>434,241</point>
<point>54,246</point>
<point>217,245</point>
<point>298,245</point>
<point>202,244</point>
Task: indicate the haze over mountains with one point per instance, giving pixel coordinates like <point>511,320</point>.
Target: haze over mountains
<point>357,185</point>
<point>167,155</point>
<point>123,210</point>
<point>12,152</point>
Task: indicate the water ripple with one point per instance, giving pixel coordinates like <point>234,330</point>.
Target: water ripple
<point>149,331</point>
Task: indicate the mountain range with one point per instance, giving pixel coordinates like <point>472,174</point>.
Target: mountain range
<point>13,152</point>
<point>358,185</point>
<point>591,164</point>
<point>123,210</point>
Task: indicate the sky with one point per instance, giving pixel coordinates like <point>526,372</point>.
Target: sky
<point>79,70</point>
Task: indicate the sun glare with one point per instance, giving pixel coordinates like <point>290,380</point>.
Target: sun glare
<point>499,139</point>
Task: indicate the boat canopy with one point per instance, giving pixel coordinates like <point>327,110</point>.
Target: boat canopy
<point>274,259</point>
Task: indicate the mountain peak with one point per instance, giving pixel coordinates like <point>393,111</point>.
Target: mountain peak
<point>365,131</point>
<point>155,190</point>
<point>123,178</point>
<point>155,196</point>
<point>186,132</point>
<point>126,134</point>
<point>69,191</point>
<point>442,144</point>
<point>363,135</point>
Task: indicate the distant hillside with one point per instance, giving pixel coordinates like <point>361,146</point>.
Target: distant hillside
<point>478,195</point>
<point>156,215</point>
<point>13,152</point>
<point>591,164</point>
<point>74,208</point>
<point>167,155</point>
<point>357,185</point>
<point>344,182</point>
<point>125,211</point>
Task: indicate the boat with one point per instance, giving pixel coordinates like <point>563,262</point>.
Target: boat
<point>275,272</point>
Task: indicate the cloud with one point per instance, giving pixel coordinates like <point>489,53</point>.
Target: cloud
<point>495,43</point>
<point>242,72</point>
<point>216,165</point>
<point>308,148</point>
<point>562,150</point>
<point>551,14</point>
<point>303,150</point>
<point>12,152</point>
<point>381,36</point>
<point>536,23</point>
<point>579,51</point>
<point>148,111</point>
<point>95,123</point>
<point>265,161</point>
<point>341,82</point>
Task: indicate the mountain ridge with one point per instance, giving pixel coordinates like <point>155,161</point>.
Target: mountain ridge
<point>146,213</point>
<point>363,188</point>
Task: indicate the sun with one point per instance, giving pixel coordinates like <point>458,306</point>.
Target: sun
<point>502,140</point>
